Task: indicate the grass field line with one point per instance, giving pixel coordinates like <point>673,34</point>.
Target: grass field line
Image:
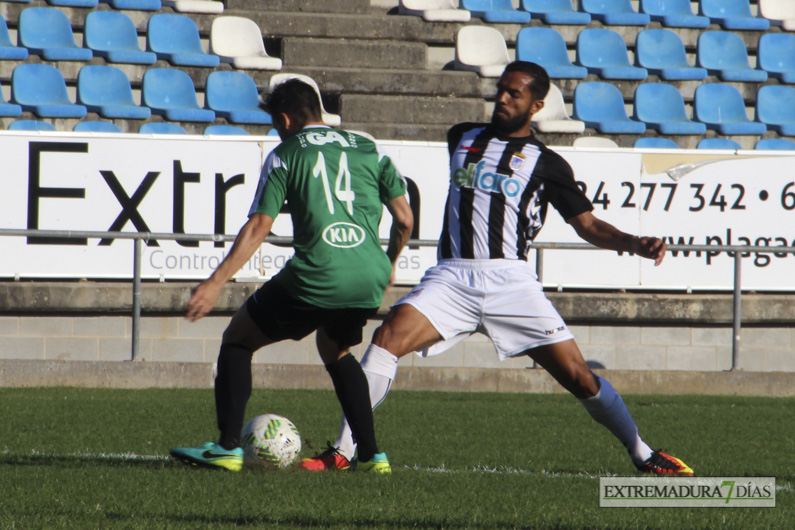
<point>499,470</point>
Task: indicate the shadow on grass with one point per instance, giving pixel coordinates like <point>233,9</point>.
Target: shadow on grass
<point>80,460</point>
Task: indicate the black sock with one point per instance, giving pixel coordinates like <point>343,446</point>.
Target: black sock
<point>353,392</point>
<point>232,391</point>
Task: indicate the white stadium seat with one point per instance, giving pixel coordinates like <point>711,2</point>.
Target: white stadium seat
<point>779,12</point>
<point>332,120</point>
<point>553,118</point>
<point>238,40</point>
<point>195,6</point>
<point>481,49</point>
<point>434,10</point>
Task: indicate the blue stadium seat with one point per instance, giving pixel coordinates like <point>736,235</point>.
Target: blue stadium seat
<point>106,90</point>
<point>112,36</point>
<point>546,47</point>
<point>175,38</point>
<point>776,56</point>
<point>134,5</point>
<point>718,143</point>
<point>495,11</point>
<point>234,96</point>
<point>273,132</point>
<point>46,31</point>
<point>604,52</point>
<point>723,54</point>
<point>655,142</point>
<point>8,50</point>
<point>775,144</point>
<point>673,13</point>
<point>775,107</point>
<point>601,107</point>
<point>96,126</point>
<point>171,93</point>
<point>31,125</point>
<point>555,12</point>
<point>661,107</point>
<point>732,14</point>
<point>11,110</point>
<point>225,130</point>
<point>73,3</point>
<point>614,12</point>
<point>662,53</point>
<point>41,89</point>
<point>158,127</point>
<point>721,108</point>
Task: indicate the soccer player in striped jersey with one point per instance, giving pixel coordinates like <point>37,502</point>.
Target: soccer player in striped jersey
<point>502,180</point>
<point>336,184</point>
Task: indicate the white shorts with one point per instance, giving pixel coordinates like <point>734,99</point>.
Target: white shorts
<point>501,299</point>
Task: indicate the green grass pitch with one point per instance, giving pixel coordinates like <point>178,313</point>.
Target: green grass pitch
<point>97,458</point>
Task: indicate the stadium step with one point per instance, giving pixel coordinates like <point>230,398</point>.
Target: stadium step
<point>325,6</point>
<point>362,53</point>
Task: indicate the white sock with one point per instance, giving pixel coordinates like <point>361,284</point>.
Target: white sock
<point>380,367</point>
<point>607,408</point>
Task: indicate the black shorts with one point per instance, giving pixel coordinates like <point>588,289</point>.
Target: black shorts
<point>280,317</point>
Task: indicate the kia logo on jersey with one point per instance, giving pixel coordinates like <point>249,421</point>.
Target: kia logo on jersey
<point>343,235</point>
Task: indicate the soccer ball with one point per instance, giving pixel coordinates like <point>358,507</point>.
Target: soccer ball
<point>270,441</point>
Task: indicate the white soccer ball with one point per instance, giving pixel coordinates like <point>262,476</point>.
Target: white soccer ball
<point>270,441</point>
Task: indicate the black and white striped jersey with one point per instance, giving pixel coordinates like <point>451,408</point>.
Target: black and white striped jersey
<point>499,191</point>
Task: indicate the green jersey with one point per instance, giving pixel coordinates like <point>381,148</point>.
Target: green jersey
<point>335,184</point>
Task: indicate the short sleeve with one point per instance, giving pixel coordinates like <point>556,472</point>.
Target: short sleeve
<point>391,183</point>
<point>560,188</point>
<point>272,187</point>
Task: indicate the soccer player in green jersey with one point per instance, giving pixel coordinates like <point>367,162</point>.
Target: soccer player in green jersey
<point>335,184</point>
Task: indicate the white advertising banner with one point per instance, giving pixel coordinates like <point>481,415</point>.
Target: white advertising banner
<point>203,185</point>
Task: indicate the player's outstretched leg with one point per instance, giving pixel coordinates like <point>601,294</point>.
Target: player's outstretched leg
<point>607,408</point>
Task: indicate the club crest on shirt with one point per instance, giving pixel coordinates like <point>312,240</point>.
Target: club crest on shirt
<point>517,161</point>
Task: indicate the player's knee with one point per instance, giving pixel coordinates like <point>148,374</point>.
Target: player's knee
<point>585,384</point>
<point>385,337</point>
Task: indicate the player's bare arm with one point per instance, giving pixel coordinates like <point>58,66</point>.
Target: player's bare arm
<point>247,242</point>
<point>604,235</point>
<point>399,234</point>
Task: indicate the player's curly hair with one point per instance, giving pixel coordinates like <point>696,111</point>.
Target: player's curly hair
<point>540,85</point>
<point>296,99</point>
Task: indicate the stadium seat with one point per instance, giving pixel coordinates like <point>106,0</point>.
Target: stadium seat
<point>718,143</point>
<point>238,41</point>
<point>594,141</point>
<point>673,13</point>
<point>234,96</point>
<point>655,142</point>
<point>8,50</point>
<point>273,132</point>
<point>225,130</point>
<point>495,11</point>
<point>158,127</point>
<point>46,32</point>
<point>775,144</point>
<point>555,12</point>
<point>721,108</point>
<point>481,49</point>
<point>603,52</point>
<point>661,107</point>
<point>10,110</point>
<point>723,54</point>
<point>106,90</point>
<point>553,118</point>
<point>332,120</point>
<point>73,3</point>
<point>776,56</point>
<point>171,93</point>
<point>779,13</point>
<point>134,5</point>
<point>614,12</point>
<point>112,36</point>
<point>31,125</point>
<point>601,106</point>
<point>210,7</point>
<point>775,107</point>
<point>175,38</point>
<point>732,14</point>
<point>662,53</point>
<point>41,89</point>
<point>546,47</point>
<point>434,10</point>
<point>96,126</point>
